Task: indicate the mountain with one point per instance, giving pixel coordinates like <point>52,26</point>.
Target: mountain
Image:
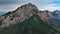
<point>33,25</point>
<point>19,15</point>
<point>27,19</point>
<point>52,17</point>
<point>56,15</point>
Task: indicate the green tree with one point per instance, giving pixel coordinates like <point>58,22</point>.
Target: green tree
<point>0,22</point>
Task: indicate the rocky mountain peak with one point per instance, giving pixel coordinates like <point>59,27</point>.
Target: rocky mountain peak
<point>22,13</point>
<point>28,6</point>
<point>19,15</point>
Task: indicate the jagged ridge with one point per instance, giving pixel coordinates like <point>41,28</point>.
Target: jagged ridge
<point>24,12</point>
<point>19,15</point>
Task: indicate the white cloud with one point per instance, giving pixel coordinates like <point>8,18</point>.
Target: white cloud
<point>7,8</point>
<point>41,4</point>
<point>50,7</point>
<point>45,4</point>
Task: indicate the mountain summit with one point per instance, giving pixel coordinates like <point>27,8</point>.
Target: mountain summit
<point>27,19</point>
<point>19,15</point>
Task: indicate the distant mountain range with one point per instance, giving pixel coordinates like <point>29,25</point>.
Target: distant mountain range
<point>2,13</point>
<point>27,19</point>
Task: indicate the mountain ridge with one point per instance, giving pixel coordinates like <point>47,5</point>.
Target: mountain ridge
<point>19,15</point>
<point>25,12</point>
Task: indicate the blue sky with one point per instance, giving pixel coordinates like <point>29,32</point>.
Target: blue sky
<point>10,5</point>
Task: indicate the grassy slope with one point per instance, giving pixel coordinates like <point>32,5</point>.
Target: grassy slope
<point>33,25</point>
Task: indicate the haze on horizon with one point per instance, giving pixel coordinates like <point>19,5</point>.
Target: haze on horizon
<point>10,5</point>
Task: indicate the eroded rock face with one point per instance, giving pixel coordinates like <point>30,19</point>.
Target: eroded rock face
<point>45,15</point>
<point>19,15</point>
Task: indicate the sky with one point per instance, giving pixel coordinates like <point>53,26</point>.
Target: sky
<point>10,5</point>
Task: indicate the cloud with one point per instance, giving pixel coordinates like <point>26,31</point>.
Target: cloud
<point>4,2</point>
<point>10,5</point>
<point>7,8</point>
<point>50,7</point>
<point>46,4</point>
